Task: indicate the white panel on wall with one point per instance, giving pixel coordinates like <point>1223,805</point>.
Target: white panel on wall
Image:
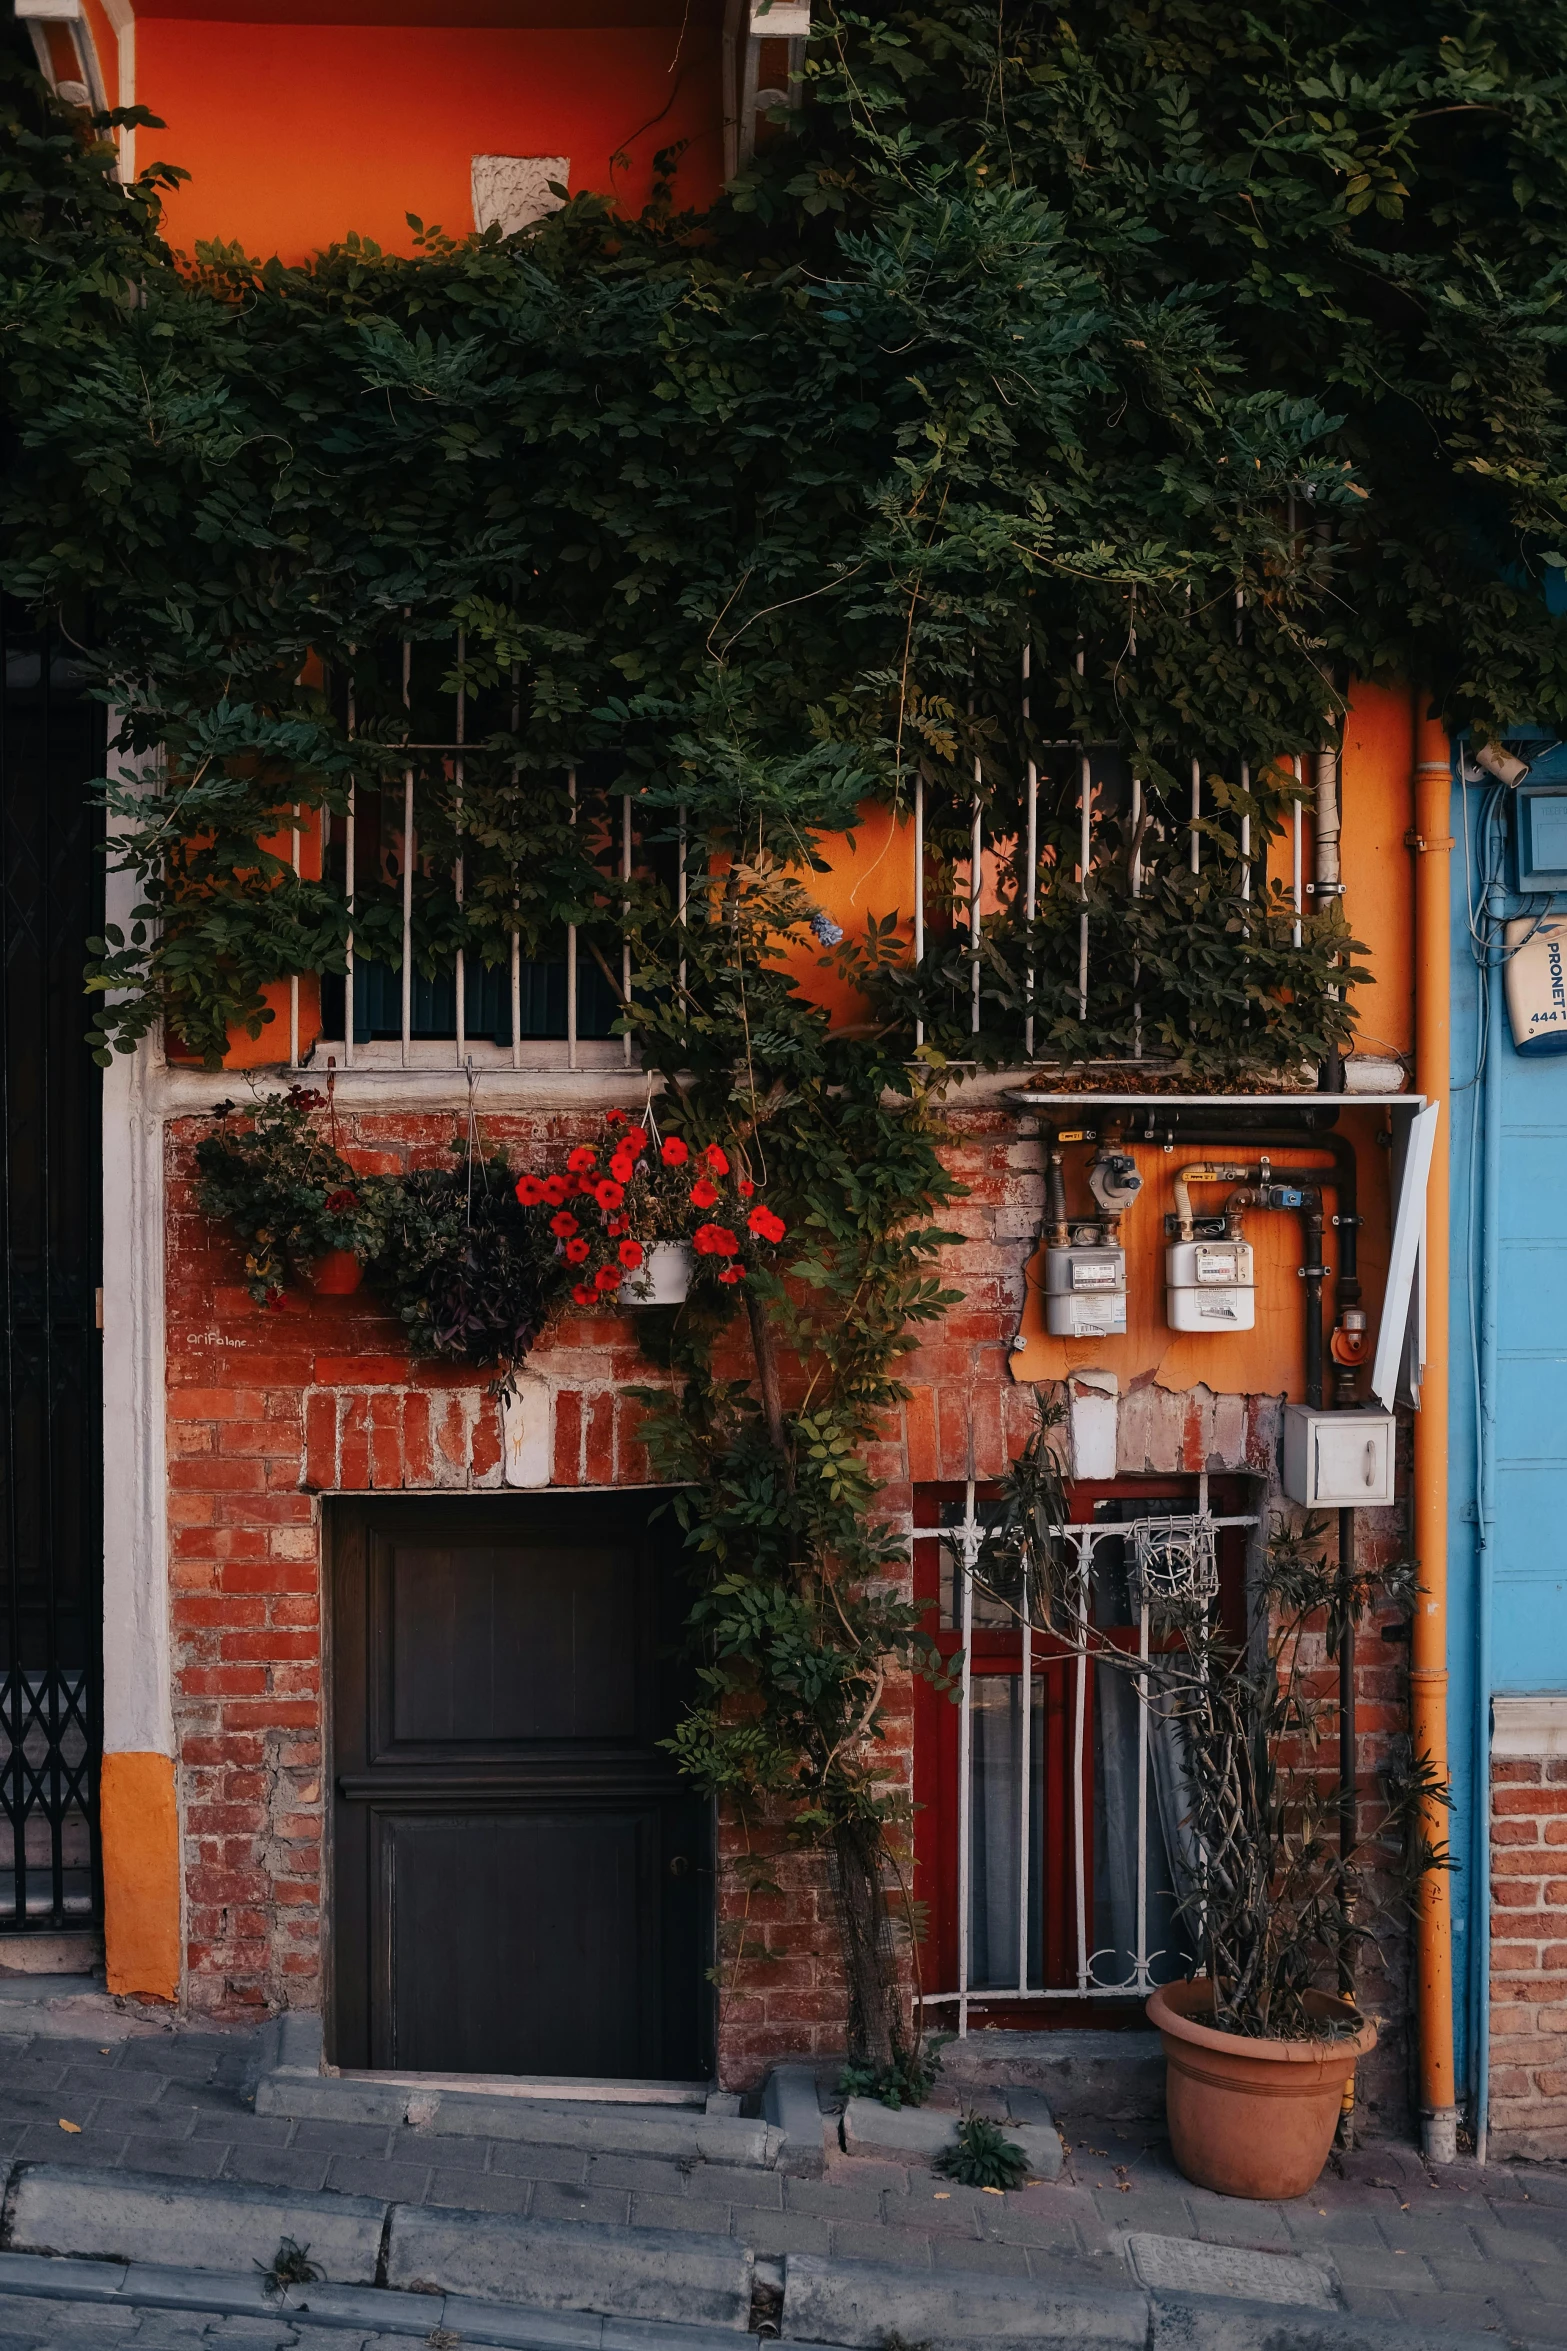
<point>512,191</point>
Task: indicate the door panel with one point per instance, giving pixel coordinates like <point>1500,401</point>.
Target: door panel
<point>521,1881</point>
<point>489,1644</point>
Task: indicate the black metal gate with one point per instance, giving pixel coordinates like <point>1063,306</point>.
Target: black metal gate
<point>51,1511</point>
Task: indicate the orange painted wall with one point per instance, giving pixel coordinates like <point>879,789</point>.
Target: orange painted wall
<point>1267,1361</point>
<point>295,134</point>
<point>141,1876</point>
<point>872,873</point>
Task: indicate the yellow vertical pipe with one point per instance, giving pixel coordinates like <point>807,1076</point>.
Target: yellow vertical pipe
<point>1432,843</point>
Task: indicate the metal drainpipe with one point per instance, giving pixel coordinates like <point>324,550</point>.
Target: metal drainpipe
<point>1490,1260</point>
<point>1327,880</point>
<point>1431,841</point>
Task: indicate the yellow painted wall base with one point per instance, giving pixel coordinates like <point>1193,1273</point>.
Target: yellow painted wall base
<point>141,1876</point>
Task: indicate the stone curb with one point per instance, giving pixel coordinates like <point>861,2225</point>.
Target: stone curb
<point>360,2309</point>
<point>572,2265</point>
<point>187,2224</point>
<point>915,2134</point>
<point>858,2304</point>
<point>791,2105</point>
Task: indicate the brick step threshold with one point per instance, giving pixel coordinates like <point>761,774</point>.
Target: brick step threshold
<point>509,2285</point>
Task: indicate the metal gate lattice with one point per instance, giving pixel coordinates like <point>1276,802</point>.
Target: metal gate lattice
<point>51,746</point>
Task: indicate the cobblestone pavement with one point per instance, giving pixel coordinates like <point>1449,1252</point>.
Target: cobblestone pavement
<point>1454,2248</point>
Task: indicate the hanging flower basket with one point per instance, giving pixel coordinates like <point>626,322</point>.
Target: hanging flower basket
<point>637,1218</point>
<point>662,1279</point>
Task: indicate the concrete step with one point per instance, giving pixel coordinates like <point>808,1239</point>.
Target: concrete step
<point>69,2007</point>
<point>291,2081</point>
<point>1115,2077</point>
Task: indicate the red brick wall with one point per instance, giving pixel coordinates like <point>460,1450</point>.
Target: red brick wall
<point>1529,1957</point>
<point>269,1410</point>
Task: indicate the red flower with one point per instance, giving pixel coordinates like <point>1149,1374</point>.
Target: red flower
<point>342,1200</point>
<point>745,1187</point>
<point>714,1240</point>
<point>765,1225</point>
<point>580,1160</point>
<point>614,1118</point>
<point>704,1194</point>
<point>634,1140</point>
<point>555,1190</point>
<point>716,1159</point>
<point>606,1278</point>
<point>731,1273</point>
<point>608,1194</point>
<point>622,1168</point>
<point>630,1253</point>
<point>576,1250</point>
<point>529,1191</point>
<point>583,1295</point>
<point>616,1225</point>
<point>674,1153</point>
<point>564,1224</point>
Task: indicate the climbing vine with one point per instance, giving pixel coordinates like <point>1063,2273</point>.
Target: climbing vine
<point>1201,357</point>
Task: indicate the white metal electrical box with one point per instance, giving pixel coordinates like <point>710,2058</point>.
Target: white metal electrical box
<point>1338,1460</point>
<point>1209,1286</point>
<point>1085,1291</point>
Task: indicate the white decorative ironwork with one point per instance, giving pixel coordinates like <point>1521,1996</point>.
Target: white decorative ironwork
<point>1173,1559</point>
<point>1172,1547</point>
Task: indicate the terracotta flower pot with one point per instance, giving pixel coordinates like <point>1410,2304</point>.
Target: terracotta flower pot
<point>337,1273</point>
<point>1251,2118</point>
<point>662,1279</point>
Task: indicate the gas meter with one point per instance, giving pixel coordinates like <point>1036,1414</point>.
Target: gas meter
<point>1210,1285</point>
<point>1085,1286</point>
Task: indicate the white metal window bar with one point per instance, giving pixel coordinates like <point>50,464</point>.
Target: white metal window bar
<point>1152,1538</point>
<point>457,749</point>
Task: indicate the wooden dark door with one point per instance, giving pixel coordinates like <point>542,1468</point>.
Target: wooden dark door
<point>521,1881</point>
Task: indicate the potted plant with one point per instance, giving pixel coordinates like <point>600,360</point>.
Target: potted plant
<point>637,1217</point>
<point>1263,2034</point>
<point>289,1194</point>
<point>472,1274</point>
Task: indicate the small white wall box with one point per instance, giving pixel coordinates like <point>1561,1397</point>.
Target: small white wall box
<point>1209,1286</point>
<point>1338,1460</point>
<point>1085,1291</point>
<point>1539,836</point>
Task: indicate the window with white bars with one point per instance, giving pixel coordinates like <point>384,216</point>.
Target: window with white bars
<point>468,893</point>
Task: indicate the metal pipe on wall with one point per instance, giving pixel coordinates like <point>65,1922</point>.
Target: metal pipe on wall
<point>1432,844</point>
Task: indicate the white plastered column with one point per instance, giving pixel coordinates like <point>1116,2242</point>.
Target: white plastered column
<point>138,1714</point>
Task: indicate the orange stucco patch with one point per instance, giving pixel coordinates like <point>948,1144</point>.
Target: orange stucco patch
<point>141,1875</point>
